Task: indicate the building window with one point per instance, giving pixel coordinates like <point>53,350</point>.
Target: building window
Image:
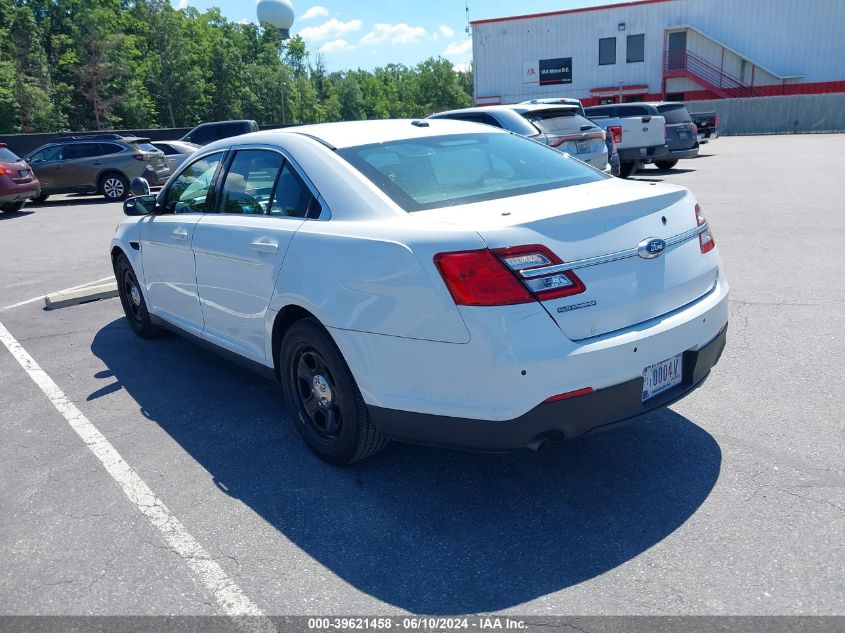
<point>607,51</point>
<point>636,48</point>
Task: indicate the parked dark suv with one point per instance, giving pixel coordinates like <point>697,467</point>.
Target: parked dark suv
<point>101,163</point>
<point>17,182</point>
<point>209,132</point>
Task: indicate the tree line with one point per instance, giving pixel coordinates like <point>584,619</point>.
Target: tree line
<point>113,64</point>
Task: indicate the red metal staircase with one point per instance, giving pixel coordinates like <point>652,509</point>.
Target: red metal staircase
<point>705,74</point>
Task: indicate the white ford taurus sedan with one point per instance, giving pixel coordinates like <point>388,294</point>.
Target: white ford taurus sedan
<point>429,281</point>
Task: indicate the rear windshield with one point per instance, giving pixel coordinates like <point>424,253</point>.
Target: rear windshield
<point>442,171</point>
<point>674,114</point>
<point>8,156</point>
<point>559,121</point>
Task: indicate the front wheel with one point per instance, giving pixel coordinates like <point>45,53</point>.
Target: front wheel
<point>114,187</point>
<point>665,165</point>
<point>12,207</point>
<point>323,398</point>
<point>132,300</point>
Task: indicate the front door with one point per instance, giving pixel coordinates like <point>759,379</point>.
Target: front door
<point>677,50</point>
<point>166,239</point>
<point>240,248</point>
<point>47,165</point>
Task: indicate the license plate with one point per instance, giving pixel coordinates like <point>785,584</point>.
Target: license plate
<point>683,135</point>
<point>24,173</point>
<point>582,147</point>
<point>662,376</point>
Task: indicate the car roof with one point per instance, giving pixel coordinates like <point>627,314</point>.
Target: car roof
<point>351,133</point>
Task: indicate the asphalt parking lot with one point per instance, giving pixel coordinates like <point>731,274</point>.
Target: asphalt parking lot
<point>731,502</point>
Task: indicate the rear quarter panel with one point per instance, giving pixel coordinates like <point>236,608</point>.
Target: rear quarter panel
<point>376,277</point>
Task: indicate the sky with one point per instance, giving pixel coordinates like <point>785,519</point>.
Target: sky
<point>370,34</point>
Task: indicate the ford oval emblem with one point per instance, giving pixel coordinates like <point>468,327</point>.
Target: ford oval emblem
<point>651,247</point>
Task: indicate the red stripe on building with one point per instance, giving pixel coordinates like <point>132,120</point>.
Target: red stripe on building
<point>567,11</point>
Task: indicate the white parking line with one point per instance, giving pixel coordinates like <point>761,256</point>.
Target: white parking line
<point>231,598</point>
<point>41,297</point>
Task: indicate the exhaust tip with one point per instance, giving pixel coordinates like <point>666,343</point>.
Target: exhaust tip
<point>544,439</point>
<point>537,444</point>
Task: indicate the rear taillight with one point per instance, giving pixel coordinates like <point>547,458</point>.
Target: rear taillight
<point>615,133</point>
<point>143,157</point>
<point>492,278</point>
<point>694,129</point>
<point>705,239</point>
<point>4,171</point>
<point>715,121</point>
<point>666,131</point>
<point>478,278</point>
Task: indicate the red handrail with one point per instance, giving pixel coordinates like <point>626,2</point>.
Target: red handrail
<point>701,68</point>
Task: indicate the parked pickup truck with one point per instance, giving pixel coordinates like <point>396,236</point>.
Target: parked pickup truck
<point>708,124</point>
<point>639,135</point>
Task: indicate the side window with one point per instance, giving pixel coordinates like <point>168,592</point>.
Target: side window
<point>204,135</point>
<point>189,193</point>
<point>249,182</point>
<point>109,148</point>
<point>47,155</point>
<point>625,111</point>
<point>291,198</point>
<point>81,150</point>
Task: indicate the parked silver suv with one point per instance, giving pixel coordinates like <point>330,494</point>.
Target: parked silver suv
<point>559,126</point>
<point>99,163</point>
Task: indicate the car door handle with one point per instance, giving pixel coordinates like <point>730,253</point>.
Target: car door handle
<point>265,245</point>
<point>179,234</point>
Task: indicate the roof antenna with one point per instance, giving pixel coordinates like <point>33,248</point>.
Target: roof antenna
<point>467,29</point>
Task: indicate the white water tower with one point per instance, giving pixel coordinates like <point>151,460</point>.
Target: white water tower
<point>278,13</point>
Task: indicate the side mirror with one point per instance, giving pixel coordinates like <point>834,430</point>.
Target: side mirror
<point>139,205</point>
<point>139,187</point>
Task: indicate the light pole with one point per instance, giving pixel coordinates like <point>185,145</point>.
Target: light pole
<point>278,14</point>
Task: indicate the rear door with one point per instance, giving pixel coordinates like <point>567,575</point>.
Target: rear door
<point>240,247</point>
<point>81,166</point>
<point>166,238</point>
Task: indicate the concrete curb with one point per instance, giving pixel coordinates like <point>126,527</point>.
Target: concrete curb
<point>83,295</point>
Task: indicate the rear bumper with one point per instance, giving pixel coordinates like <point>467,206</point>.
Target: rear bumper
<point>156,178</point>
<point>24,192</point>
<point>603,409</point>
<point>676,154</point>
<point>643,154</point>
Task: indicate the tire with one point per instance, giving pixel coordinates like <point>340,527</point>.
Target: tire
<point>323,398</point>
<point>665,165</point>
<point>40,199</point>
<point>134,305</point>
<point>114,186</point>
<point>626,170</point>
<point>12,207</point>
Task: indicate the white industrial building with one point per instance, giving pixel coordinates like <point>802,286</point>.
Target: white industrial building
<point>662,49</point>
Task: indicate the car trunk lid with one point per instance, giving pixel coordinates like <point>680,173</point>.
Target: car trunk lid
<point>604,220</point>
